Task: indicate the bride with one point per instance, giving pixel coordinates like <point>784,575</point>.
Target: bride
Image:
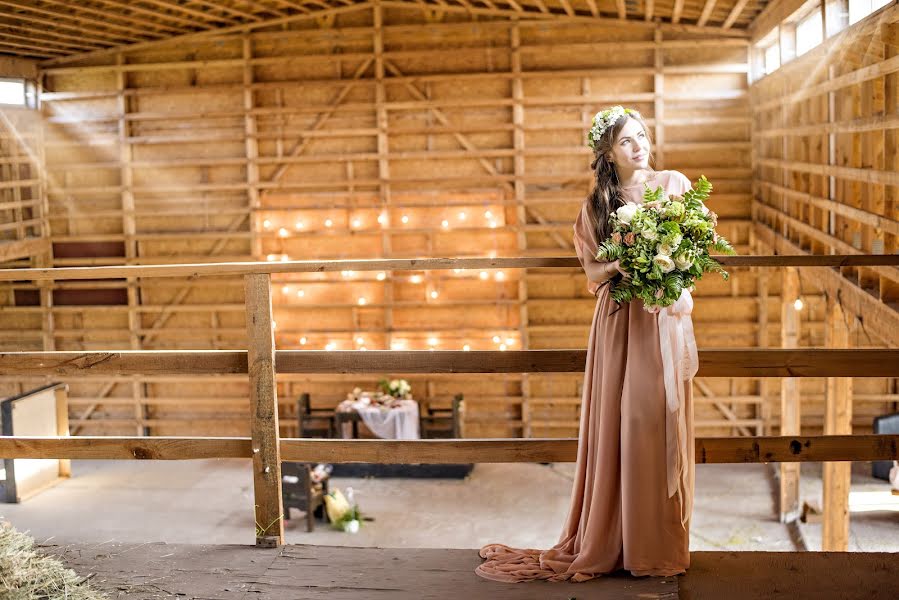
<point>633,487</point>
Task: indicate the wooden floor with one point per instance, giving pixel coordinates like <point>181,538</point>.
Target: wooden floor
<point>157,571</point>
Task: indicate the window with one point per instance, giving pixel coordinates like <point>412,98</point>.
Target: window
<point>859,9</point>
<point>772,58</point>
<point>17,92</point>
<point>809,33</point>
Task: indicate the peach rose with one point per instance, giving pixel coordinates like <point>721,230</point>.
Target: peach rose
<point>616,237</point>
<point>629,238</point>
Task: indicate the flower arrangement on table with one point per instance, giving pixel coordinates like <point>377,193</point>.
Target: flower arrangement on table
<point>389,394</point>
<point>663,246</point>
<point>398,388</point>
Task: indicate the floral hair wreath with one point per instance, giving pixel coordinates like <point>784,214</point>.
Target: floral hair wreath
<point>605,118</point>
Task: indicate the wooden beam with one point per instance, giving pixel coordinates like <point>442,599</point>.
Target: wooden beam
<point>269,508</point>
<point>805,362</point>
<point>789,395</point>
<point>23,248</point>
<point>837,421</point>
<point>713,450</point>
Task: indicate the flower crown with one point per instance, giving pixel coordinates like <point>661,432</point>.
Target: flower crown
<point>604,119</point>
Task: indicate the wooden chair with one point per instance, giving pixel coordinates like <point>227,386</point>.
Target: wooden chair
<point>300,492</point>
<point>314,422</point>
<point>441,422</point>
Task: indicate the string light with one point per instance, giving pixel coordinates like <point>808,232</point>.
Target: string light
<point>510,341</point>
<point>330,346</point>
<point>382,276</point>
<point>274,325</point>
<point>445,223</point>
<point>462,216</point>
<point>362,301</point>
<point>271,257</point>
<point>282,232</point>
<point>360,340</point>
<point>404,219</point>
<point>299,225</point>
<point>382,219</point>
<point>357,223</point>
<point>434,294</point>
<point>502,346</point>
<point>303,341</point>
<point>500,275</point>
<point>300,293</point>
<point>398,345</point>
<point>488,214</point>
<point>284,258</point>
<point>492,224</point>
<point>457,270</point>
<point>432,341</point>
<point>797,304</point>
<point>415,279</point>
<point>285,289</point>
<point>466,347</point>
<point>496,339</point>
<point>267,224</point>
<point>483,275</point>
<point>362,348</point>
<point>328,222</point>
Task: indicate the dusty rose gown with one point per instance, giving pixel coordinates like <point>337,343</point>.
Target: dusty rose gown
<point>620,515</point>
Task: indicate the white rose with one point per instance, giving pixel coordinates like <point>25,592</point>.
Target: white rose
<point>664,261</point>
<point>682,261</point>
<point>352,526</point>
<point>626,213</point>
<point>664,249</point>
<point>650,234</point>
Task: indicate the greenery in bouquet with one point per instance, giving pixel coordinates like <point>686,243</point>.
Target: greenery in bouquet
<point>398,388</point>
<point>663,245</point>
<point>342,511</point>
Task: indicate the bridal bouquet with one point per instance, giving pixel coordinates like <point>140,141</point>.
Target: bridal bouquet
<point>663,245</point>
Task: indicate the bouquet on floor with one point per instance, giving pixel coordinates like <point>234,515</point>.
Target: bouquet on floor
<point>663,245</point>
<point>342,511</point>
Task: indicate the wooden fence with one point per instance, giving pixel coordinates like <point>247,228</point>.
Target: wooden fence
<point>261,362</point>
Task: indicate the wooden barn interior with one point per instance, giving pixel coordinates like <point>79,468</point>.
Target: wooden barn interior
<point>173,132</point>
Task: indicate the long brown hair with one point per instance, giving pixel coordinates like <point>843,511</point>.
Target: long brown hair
<point>606,195</point>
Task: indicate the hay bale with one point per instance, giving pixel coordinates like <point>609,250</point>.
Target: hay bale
<point>25,574</point>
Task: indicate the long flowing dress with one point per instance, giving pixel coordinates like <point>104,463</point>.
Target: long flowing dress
<point>630,453</point>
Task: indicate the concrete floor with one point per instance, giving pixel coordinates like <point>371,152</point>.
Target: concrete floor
<point>524,505</point>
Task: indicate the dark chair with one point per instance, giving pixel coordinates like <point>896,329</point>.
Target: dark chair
<point>300,492</point>
<point>314,422</point>
<point>440,422</point>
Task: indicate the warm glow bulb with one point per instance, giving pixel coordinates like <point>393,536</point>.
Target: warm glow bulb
<point>510,341</point>
<point>502,346</point>
<point>415,279</point>
<point>461,216</point>
<point>382,218</point>
<point>500,275</point>
<point>362,301</point>
<point>299,225</point>
<point>282,232</point>
<point>488,214</point>
<point>357,223</point>
<point>492,224</point>
<point>300,293</point>
<point>285,289</point>
<point>457,270</point>
<point>303,340</point>
<point>330,346</point>
<point>359,340</point>
<point>466,347</point>
<point>284,258</point>
<point>267,224</point>
<point>274,325</point>
<point>328,222</point>
<point>445,223</point>
<point>434,294</point>
<point>404,219</point>
<point>432,341</point>
<point>382,276</point>
<point>496,339</point>
<point>798,304</point>
<point>362,348</point>
<point>271,257</point>
<point>483,275</point>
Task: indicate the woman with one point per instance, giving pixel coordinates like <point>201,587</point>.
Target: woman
<point>633,484</point>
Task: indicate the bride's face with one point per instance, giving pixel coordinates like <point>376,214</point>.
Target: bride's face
<point>630,151</point>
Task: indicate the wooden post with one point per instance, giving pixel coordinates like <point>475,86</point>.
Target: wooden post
<point>837,421</point>
<point>789,394</point>
<point>264,412</point>
<point>62,425</point>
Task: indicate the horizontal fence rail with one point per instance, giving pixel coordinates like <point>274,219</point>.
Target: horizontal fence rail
<point>729,362</point>
<point>409,264</point>
<point>708,450</point>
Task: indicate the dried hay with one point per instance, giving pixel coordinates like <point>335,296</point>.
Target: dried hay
<point>25,574</point>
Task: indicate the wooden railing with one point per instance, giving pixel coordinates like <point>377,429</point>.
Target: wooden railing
<point>261,362</point>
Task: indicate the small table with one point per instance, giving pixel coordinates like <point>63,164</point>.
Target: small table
<point>399,422</point>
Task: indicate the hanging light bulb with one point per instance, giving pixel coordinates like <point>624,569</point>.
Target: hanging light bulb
<point>267,224</point>
<point>415,279</point>
<point>404,219</point>
<point>303,341</point>
<point>363,348</point>
<point>398,345</point>
<point>510,341</point>
<point>488,214</point>
<point>330,346</point>
<point>432,341</point>
<point>284,258</point>
<point>500,275</point>
<point>362,301</point>
<point>434,294</point>
<point>445,223</point>
<point>496,339</point>
<point>466,347</point>
<point>271,257</point>
<point>797,304</point>
<point>300,293</point>
<point>328,222</point>
<point>462,216</point>
<point>492,224</point>
<point>382,276</point>
<point>382,218</point>
<point>457,270</point>
<point>299,225</point>
<point>502,346</point>
<point>285,289</point>
<point>357,223</point>
<point>360,340</point>
<point>483,275</point>
<point>282,232</point>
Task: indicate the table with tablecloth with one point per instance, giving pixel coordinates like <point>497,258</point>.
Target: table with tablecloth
<point>397,422</point>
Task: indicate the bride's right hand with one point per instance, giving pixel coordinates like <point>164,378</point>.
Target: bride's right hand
<point>617,264</point>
